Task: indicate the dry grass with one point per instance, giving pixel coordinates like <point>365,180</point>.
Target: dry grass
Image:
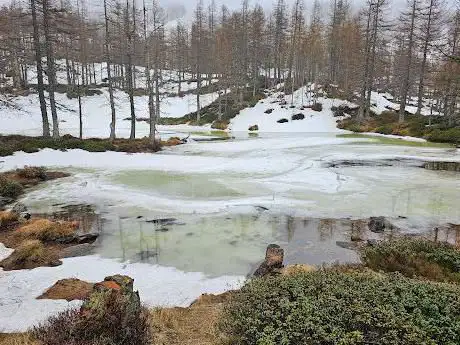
<point>30,254</point>
<point>17,339</point>
<point>46,230</point>
<point>7,218</point>
<point>195,325</point>
<point>69,289</point>
<point>296,269</point>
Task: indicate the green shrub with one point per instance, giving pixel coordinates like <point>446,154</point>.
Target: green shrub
<point>110,319</point>
<point>387,117</point>
<point>415,258</point>
<point>328,308</point>
<point>10,189</point>
<point>384,129</point>
<point>451,135</point>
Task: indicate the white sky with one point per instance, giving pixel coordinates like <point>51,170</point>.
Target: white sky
<point>96,5</point>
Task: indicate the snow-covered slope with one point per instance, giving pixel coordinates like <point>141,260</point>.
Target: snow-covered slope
<point>25,117</point>
<point>314,121</point>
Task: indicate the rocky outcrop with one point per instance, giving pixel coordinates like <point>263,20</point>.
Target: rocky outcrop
<point>273,262</point>
<point>297,117</point>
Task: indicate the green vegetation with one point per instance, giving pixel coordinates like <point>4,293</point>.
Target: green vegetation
<point>327,307</point>
<point>415,258</point>
<point>9,188</point>
<point>390,141</point>
<point>432,128</point>
<point>13,143</point>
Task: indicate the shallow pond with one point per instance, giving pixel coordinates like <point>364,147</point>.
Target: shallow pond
<point>230,199</point>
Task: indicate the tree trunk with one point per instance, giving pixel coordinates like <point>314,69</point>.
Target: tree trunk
<point>423,64</point>
<point>405,81</point>
<point>109,73</point>
<point>38,61</point>
<point>51,67</point>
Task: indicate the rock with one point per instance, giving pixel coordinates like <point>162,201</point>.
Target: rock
<point>77,250</point>
<point>125,282</point>
<point>268,111</point>
<point>25,216</point>
<point>377,224</point>
<point>254,128</point>
<point>69,289</point>
<point>19,208</point>
<point>299,116</point>
<point>282,120</point>
<point>273,262</point>
<point>162,230</point>
<point>291,106</point>
<point>114,289</point>
<point>78,239</point>
<point>373,242</point>
<point>162,221</point>
<point>317,107</point>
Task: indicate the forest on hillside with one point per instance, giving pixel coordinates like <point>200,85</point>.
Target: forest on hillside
<point>412,56</point>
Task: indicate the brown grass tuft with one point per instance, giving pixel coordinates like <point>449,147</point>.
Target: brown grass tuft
<point>30,254</point>
<point>46,230</point>
<point>17,339</point>
<point>7,218</point>
<point>195,325</point>
<point>69,289</point>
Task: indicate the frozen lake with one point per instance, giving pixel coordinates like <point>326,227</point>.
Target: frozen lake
<point>228,201</point>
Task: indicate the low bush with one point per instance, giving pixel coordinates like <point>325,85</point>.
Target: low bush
<point>384,129</point>
<point>328,308</point>
<point>32,173</point>
<point>9,188</point>
<point>415,258</point>
<point>111,318</point>
<point>220,124</point>
<point>451,135</point>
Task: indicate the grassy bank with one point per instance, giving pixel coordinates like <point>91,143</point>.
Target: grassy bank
<point>14,143</point>
<point>433,129</point>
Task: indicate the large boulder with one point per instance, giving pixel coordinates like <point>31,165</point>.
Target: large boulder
<point>273,262</point>
<point>19,208</point>
<point>377,224</point>
<point>254,128</point>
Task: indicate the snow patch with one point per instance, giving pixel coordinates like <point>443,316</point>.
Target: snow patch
<point>157,285</point>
